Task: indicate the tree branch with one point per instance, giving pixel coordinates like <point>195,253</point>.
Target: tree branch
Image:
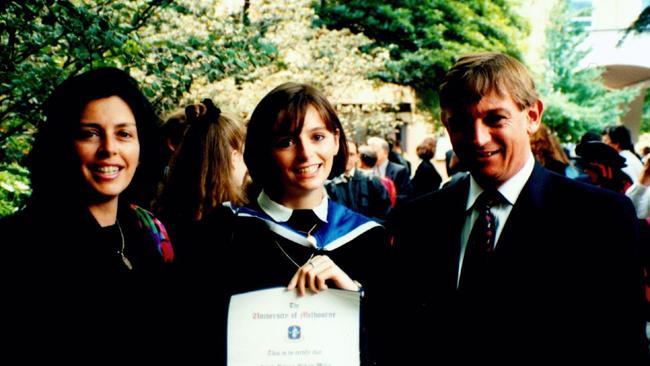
<point>12,131</point>
<point>147,13</point>
<point>640,25</point>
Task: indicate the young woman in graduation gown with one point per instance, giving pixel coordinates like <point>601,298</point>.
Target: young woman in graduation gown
<point>292,234</point>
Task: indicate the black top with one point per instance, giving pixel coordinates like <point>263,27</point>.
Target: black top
<point>69,243</point>
<point>199,245</point>
<point>201,270</point>
<point>425,180</point>
<point>69,291</point>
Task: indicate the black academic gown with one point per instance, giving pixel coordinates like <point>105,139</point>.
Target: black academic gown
<point>201,272</point>
<point>258,262</point>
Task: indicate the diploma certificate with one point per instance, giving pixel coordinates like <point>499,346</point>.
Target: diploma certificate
<point>276,327</point>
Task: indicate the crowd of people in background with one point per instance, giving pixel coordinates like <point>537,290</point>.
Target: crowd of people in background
<point>166,223</point>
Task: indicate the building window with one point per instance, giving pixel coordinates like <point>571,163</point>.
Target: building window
<point>581,11</point>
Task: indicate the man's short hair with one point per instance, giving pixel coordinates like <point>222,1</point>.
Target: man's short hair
<point>479,74</point>
<point>368,156</point>
<point>378,141</point>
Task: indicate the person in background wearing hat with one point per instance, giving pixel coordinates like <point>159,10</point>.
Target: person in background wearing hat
<point>513,264</point>
<point>603,165</point>
<point>360,190</point>
<point>606,168</point>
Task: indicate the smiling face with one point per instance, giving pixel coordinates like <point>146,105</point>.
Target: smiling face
<point>108,147</point>
<point>304,161</point>
<point>492,137</point>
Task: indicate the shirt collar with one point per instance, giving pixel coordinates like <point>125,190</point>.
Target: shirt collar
<point>382,167</point>
<point>510,189</point>
<point>280,213</point>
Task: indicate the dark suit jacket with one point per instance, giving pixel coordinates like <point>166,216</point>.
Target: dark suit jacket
<point>565,281</point>
<point>397,158</point>
<point>399,174</point>
<point>363,193</point>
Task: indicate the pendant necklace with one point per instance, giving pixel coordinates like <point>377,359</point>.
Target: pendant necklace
<point>313,241</point>
<point>310,238</point>
<point>291,259</point>
<point>125,260</point>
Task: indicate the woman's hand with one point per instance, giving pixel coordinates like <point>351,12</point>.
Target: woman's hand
<point>316,271</point>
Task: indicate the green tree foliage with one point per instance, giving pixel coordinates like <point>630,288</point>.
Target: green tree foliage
<point>426,37</point>
<point>14,187</point>
<point>576,99</point>
<point>329,59</point>
<point>169,46</point>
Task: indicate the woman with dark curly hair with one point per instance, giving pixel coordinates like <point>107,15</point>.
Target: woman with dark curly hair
<point>96,157</point>
<point>85,255</point>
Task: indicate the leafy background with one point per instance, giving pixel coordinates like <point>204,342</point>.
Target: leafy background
<point>235,52</point>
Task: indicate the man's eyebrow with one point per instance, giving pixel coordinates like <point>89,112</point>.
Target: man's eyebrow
<point>498,110</point>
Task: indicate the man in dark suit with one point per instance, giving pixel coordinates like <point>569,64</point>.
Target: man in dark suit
<point>358,190</point>
<point>398,173</point>
<point>558,279</point>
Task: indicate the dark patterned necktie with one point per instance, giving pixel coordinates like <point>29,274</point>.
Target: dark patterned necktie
<point>480,244</point>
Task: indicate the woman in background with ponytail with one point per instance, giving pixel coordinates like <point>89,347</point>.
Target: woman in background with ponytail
<point>198,199</point>
<point>206,172</point>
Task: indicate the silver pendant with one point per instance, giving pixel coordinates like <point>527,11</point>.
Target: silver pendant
<point>126,261</point>
<point>311,240</point>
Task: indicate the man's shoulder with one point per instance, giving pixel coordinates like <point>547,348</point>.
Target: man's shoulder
<point>438,201</point>
<point>571,198</point>
<point>396,167</point>
<point>575,191</point>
